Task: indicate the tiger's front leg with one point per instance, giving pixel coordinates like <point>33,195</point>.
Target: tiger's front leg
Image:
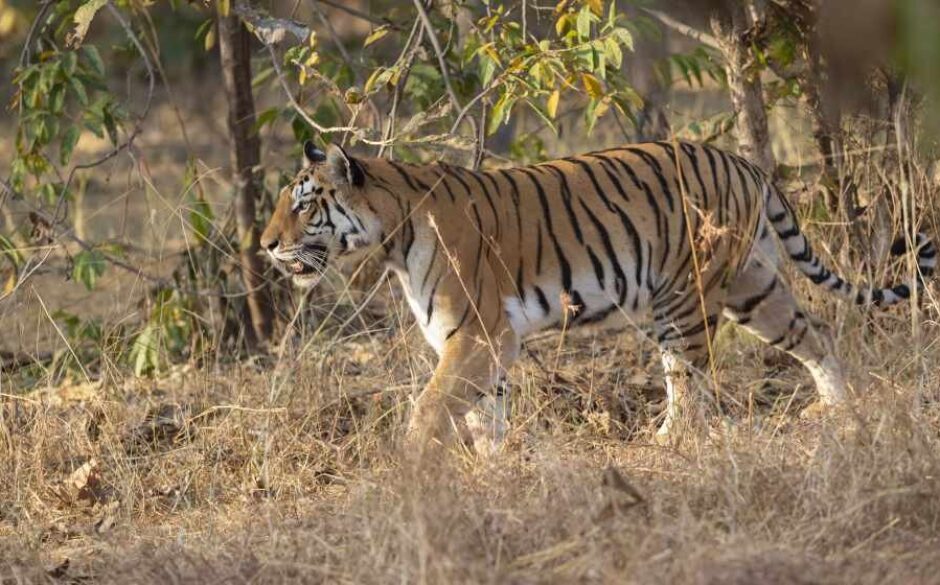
<point>465,385</point>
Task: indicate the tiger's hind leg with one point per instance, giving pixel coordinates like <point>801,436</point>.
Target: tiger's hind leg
<point>761,303</point>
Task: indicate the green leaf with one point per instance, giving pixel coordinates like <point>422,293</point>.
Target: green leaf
<point>145,351</point>
<point>500,112</point>
<point>562,24</point>
<point>200,219</point>
<point>9,249</point>
<point>79,90</point>
<point>266,117</point>
<point>69,140</point>
<point>623,37</point>
<point>69,62</point>
<point>487,69</point>
<point>379,77</point>
<point>110,125</point>
<point>57,99</point>
<point>94,57</point>
<point>613,52</point>
<point>585,18</point>
<point>88,266</point>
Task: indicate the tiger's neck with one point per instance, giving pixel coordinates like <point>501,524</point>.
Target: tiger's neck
<point>413,203</point>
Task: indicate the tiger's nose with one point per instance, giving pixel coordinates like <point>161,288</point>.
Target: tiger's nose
<point>269,244</point>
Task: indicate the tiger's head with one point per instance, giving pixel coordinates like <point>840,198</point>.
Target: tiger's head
<point>321,215</point>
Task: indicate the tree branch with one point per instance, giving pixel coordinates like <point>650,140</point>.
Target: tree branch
<point>361,15</point>
<point>683,29</point>
<point>429,31</point>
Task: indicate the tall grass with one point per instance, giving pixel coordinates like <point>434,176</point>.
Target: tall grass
<point>291,468</point>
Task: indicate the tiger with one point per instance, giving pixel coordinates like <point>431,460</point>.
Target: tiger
<point>677,235</point>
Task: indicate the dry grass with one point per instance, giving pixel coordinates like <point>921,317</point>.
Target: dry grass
<point>291,473</point>
<point>291,470</point>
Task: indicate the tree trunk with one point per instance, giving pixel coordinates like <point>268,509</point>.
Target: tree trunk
<point>826,118</point>
<point>245,154</point>
<point>747,96</point>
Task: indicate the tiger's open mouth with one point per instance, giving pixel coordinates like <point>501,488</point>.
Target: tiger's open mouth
<point>311,260</point>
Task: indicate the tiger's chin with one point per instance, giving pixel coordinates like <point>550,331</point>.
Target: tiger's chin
<point>306,281</point>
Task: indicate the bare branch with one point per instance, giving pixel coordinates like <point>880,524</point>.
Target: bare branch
<point>361,15</point>
<point>268,29</point>
<point>429,30</point>
<point>683,29</point>
<point>362,134</point>
<point>34,29</point>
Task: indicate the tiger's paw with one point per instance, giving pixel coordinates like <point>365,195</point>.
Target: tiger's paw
<point>818,411</point>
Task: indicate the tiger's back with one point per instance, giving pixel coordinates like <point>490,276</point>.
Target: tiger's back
<point>593,238</point>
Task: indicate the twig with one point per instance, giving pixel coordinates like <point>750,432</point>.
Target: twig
<point>360,133</point>
<point>336,40</point>
<point>407,56</point>
<point>33,30</point>
<point>16,360</point>
<point>138,126</point>
<point>62,336</point>
<point>683,29</point>
<point>361,15</point>
<point>429,29</point>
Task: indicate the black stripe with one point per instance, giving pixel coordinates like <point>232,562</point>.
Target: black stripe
<point>514,192</point>
<point>752,302</point>
<point>796,340</point>
<point>443,181</point>
<point>563,264</point>
<point>424,281</point>
<point>489,198</point>
<point>466,313</point>
<point>430,310</point>
<point>671,334</point>
<point>714,168</point>
<point>566,199</point>
<point>661,220</point>
<point>657,169</point>
<point>625,219</point>
<point>413,182</point>
<point>598,268</point>
<point>689,151</point>
<point>620,279</point>
<point>543,301</point>
<point>520,289</point>
<point>538,252</point>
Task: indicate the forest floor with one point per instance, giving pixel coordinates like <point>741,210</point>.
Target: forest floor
<point>291,468</point>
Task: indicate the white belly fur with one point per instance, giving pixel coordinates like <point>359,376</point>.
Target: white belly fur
<point>528,317</point>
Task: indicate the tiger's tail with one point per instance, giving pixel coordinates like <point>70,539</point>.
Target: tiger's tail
<point>785,224</point>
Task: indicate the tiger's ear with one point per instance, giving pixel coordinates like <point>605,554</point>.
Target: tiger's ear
<point>343,169</point>
<point>312,154</point>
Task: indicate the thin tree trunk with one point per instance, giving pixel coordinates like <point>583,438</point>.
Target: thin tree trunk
<point>826,118</point>
<point>245,154</point>
<point>747,96</point>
